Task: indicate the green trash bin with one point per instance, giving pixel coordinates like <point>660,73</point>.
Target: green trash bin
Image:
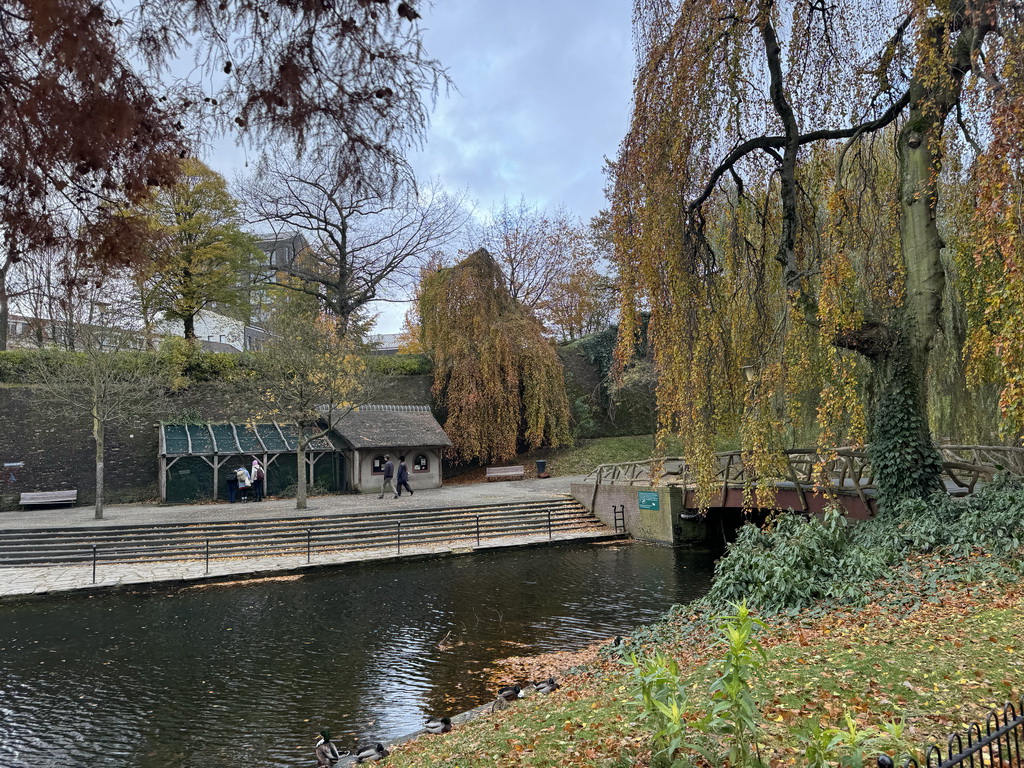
<point>541,465</point>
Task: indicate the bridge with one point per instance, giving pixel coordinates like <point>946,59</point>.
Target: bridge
<point>809,479</point>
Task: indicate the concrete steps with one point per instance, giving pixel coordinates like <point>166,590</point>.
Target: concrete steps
<point>312,535</point>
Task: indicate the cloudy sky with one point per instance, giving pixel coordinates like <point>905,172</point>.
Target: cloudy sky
<point>543,94</point>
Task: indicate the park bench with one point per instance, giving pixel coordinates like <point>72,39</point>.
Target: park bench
<point>505,473</point>
<point>49,498</point>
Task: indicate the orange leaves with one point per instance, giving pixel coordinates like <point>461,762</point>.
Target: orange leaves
<point>498,377</point>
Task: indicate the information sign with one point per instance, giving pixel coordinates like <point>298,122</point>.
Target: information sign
<point>648,500</point>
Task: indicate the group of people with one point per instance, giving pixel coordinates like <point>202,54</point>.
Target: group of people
<point>395,481</point>
<point>241,481</point>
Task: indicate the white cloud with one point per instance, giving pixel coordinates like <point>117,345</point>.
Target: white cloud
<point>544,90</point>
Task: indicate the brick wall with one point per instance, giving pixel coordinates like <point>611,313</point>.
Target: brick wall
<point>60,454</point>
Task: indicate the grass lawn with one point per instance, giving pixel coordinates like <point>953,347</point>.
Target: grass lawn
<point>578,459</point>
<point>925,663</point>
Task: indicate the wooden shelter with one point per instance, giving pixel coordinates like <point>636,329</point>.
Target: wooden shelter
<point>195,459</point>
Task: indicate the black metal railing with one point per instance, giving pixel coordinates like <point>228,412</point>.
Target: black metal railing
<point>996,744</point>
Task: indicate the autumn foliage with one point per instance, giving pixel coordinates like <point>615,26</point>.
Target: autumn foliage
<point>796,199</point>
<point>495,375</point>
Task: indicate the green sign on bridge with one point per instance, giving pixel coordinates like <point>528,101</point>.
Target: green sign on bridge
<point>648,500</point>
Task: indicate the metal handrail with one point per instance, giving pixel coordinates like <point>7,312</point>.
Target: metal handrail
<point>843,469</point>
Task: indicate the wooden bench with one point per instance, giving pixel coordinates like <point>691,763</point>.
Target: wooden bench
<point>505,473</point>
<point>49,498</point>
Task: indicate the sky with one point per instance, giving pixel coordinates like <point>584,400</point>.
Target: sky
<point>542,95</point>
<point>544,90</point>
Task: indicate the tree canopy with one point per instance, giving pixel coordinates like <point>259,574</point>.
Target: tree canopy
<point>106,383</point>
<point>203,257</point>
<point>364,243</point>
<point>498,379</point>
<point>787,200</point>
<point>309,375</point>
<point>96,106</point>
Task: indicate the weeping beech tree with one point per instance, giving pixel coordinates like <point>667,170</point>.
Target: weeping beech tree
<point>783,202</point>
<point>496,376</point>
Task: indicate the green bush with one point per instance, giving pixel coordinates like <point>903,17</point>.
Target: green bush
<point>13,365</point>
<point>399,365</point>
<point>795,562</point>
<point>990,521</point>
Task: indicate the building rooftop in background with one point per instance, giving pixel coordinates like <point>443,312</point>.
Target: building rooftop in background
<point>384,343</point>
<point>282,248</point>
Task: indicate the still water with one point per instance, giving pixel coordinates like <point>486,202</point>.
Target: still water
<point>248,674</point>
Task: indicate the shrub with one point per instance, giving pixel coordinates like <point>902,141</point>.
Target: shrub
<point>795,562</point>
<point>399,365</point>
<point>13,365</point>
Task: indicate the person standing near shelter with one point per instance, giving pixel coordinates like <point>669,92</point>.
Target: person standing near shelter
<point>327,755</point>
<point>244,482</point>
<point>402,477</point>
<point>258,477</point>
<point>232,487</point>
<point>389,473</point>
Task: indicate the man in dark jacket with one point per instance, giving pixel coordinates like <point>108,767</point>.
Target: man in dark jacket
<point>389,473</point>
<point>402,478</point>
<point>232,486</point>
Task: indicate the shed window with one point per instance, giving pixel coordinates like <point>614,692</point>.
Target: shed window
<point>378,465</point>
<point>421,464</point>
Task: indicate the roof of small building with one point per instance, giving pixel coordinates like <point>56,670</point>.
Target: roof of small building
<point>233,439</point>
<point>391,426</point>
<point>385,340</point>
<point>218,346</point>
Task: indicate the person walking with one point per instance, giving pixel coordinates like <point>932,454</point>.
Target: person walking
<point>327,755</point>
<point>257,475</point>
<point>402,477</point>
<point>389,473</point>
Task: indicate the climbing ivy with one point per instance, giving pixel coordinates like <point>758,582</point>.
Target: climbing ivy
<point>905,463</point>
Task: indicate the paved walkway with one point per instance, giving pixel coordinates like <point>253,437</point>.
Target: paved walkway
<point>503,492</point>
<point>24,582</point>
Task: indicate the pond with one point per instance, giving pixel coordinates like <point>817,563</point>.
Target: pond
<point>249,673</point>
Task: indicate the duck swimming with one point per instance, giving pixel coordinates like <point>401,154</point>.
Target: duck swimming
<point>367,754</point>
<point>438,725</point>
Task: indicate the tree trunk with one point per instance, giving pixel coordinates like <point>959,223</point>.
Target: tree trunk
<point>98,436</point>
<point>190,326</point>
<point>903,456</point>
<point>904,459</point>
<point>5,312</point>
<point>300,483</point>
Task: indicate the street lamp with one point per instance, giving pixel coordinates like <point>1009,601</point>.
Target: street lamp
<point>749,374</point>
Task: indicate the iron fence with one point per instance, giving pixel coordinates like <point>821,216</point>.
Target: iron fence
<point>996,744</point>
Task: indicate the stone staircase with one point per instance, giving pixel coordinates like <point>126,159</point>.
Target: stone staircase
<point>549,519</point>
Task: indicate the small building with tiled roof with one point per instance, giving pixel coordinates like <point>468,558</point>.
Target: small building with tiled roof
<point>196,459</point>
<point>372,432</point>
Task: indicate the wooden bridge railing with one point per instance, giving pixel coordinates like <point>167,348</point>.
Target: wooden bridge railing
<point>842,470</point>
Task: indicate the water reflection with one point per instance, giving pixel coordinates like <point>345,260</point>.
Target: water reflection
<point>248,674</point>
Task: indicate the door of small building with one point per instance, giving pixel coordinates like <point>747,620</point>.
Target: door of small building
<point>340,476</point>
